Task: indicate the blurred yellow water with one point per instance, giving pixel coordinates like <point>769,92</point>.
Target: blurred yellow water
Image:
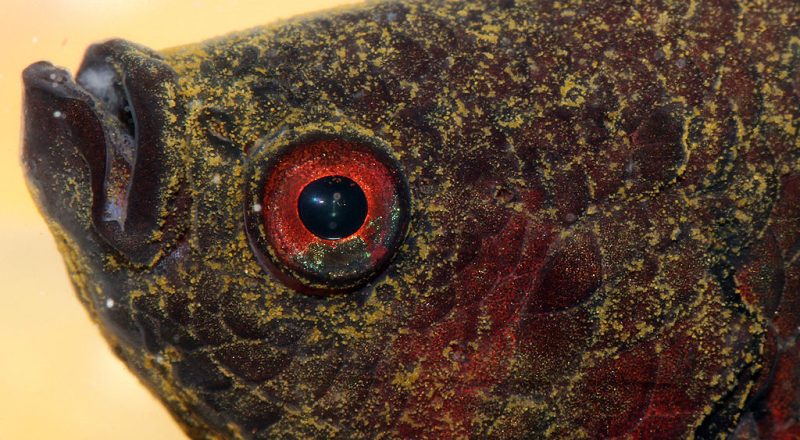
<point>58,380</point>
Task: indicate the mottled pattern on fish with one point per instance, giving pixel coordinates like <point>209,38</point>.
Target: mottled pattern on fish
<point>604,219</point>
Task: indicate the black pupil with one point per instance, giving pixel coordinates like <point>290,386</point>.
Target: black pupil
<point>332,207</point>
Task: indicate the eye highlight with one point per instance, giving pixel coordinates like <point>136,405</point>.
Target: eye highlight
<point>333,212</point>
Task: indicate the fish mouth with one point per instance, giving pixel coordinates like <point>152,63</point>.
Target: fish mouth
<point>88,117</point>
<point>103,134</point>
<point>64,132</point>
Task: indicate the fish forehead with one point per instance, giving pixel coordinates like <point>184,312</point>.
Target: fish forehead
<point>592,183</point>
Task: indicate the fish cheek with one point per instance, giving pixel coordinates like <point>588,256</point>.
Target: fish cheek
<point>556,326</point>
<point>657,150</point>
<point>571,275</point>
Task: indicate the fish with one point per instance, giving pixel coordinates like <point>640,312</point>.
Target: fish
<point>443,219</point>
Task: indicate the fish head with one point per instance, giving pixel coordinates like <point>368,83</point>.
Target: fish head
<point>408,219</point>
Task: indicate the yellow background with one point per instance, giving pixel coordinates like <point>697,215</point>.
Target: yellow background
<point>58,380</point>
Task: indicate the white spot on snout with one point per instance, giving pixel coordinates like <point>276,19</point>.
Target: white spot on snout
<point>256,207</point>
<point>110,303</point>
<point>99,81</point>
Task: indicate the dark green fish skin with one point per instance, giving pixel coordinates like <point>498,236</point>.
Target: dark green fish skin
<point>595,229</point>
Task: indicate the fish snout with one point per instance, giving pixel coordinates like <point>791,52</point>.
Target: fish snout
<point>101,150</point>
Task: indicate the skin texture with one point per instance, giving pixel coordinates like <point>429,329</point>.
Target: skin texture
<point>603,235</point>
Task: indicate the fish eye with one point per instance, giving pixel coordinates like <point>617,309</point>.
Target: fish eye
<point>327,214</point>
<point>333,207</point>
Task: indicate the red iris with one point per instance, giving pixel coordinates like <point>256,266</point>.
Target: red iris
<point>311,263</point>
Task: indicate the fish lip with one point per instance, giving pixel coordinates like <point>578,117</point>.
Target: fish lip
<point>59,82</point>
<point>63,151</point>
<point>53,89</point>
<point>86,103</point>
<point>104,76</point>
<point>50,88</point>
<point>60,113</point>
<point>54,80</point>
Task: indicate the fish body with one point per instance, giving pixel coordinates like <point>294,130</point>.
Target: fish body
<point>583,219</point>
